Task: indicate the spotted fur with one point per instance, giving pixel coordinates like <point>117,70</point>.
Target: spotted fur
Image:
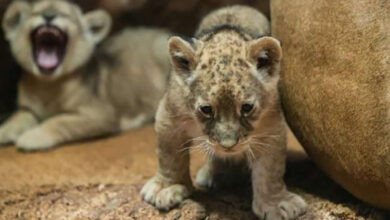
<point>223,98</point>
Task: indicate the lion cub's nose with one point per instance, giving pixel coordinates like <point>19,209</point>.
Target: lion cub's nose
<point>49,17</point>
<point>228,142</point>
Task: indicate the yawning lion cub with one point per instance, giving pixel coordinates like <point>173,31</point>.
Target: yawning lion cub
<point>72,89</point>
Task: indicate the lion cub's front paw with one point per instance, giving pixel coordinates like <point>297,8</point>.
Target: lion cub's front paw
<point>8,134</point>
<point>290,207</point>
<point>162,194</point>
<point>5,138</point>
<point>35,139</point>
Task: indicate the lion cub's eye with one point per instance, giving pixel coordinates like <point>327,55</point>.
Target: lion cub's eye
<point>206,110</point>
<point>246,109</point>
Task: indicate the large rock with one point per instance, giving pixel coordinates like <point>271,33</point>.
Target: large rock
<point>336,88</point>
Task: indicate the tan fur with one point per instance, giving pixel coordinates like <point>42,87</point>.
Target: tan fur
<point>335,89</point>
<point>227,66</point>
<point>96,90</point>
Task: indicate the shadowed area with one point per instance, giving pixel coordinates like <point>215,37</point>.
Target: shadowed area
<point>101,179</point>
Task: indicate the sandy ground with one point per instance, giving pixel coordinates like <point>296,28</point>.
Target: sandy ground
<point>101,179</point>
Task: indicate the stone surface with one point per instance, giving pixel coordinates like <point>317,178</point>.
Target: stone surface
<point>335,88</point>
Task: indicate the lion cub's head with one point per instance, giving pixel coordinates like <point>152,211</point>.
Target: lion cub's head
<point>50,38</point>
<point>232,81</point>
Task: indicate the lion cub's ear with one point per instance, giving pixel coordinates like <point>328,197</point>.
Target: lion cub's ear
<point>99,24</point>
<point>182,55</point>
<point>14,16</point>
<point>266,54</point>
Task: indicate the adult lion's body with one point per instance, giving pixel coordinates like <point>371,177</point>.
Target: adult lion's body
<point>335,88</point>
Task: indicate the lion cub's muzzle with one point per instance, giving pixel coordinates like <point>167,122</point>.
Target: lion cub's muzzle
<point>49,45</point>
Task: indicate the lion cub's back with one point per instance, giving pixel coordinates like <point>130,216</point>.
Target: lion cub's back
<point>141,44</point>
<point>249,19</point>
<point>137,70</point>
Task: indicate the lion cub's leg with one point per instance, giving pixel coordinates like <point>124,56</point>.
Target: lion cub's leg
<point>222,173</point>
<point>172,184</point>
<point>205,175</point>
<point>16,125</point>
<point>64,128</point>
<point>127,123</point>
<point>271,199</point>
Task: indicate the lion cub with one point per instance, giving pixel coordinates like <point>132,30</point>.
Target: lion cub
<point>223,98</point>
<point>72,89</point>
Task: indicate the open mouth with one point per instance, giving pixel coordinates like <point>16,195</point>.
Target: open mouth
<point>49,44</point>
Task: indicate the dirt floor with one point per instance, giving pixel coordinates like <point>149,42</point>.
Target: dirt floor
<point>101,179</point>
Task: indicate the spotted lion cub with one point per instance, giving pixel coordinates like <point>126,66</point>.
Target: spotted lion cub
<point>223,98</point>
<point>72,89</point>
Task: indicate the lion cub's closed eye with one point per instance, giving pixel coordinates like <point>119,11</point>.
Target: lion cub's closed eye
<point>71,89</point>
<point>223,98</point>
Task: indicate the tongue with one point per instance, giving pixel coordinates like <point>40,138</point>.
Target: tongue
<point>47,59</point>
